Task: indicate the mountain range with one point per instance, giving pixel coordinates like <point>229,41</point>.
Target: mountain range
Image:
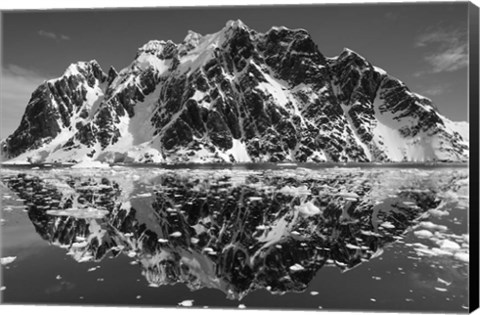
<point>237,95</point>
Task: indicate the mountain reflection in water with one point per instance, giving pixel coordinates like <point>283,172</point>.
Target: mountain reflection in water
<point>236,231</point>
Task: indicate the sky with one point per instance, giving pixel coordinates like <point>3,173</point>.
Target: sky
<point>425,45</point>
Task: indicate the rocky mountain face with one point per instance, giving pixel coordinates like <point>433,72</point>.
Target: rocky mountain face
<point>229,231</point>
<point>234,96</point>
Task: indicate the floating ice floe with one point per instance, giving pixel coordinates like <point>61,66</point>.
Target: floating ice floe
<point>370,233</point>
<point>194,240</point>
<point>131,254</point>
<point>261,227</point>
<point>444,247</point>
<point>295,191</point>
<point>7,260</point>
<point>80,213</point>
<point>432,226</point>
<point>297,267</point>
<point>387,225</point>
<point>424,251</point>
<point>186,303</point>
<point>441,252</point>
<point>352,246</point>
<point>423,234</point>
<point>308,209</point>
<point>144,195</point>
<point>448,245</point>
<point>437,212</point>
<point>462,257</point>
<point>444,282</point>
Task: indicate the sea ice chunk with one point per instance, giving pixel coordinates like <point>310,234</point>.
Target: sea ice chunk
<point>423,234</point>
<point>297,267</point>
<point>7,260</point>
<point>186,303</point>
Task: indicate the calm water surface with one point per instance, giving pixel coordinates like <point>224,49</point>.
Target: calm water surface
<point>303,238</point>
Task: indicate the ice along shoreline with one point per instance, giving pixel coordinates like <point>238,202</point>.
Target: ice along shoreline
<point>250,166</point>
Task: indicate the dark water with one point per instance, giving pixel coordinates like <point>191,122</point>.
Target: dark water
<point>334,238</point>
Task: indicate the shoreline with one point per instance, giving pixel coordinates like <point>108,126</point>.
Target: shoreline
<point>253,166</point>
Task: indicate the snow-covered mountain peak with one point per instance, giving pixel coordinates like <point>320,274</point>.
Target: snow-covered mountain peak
<point>160,48</point>
<point>284,29</point>
<point>348,54</point>
<point>152,46</point>
<point>94,63</point>
<point>234,29</point>
<point>235,24</point>
<point>82,68</point>
<point>348,51</point>
<point>192,39</point>
<point>233,96</point>
<point>278,29</point>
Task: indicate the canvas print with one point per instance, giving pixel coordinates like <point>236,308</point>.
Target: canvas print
<point>268,157</point>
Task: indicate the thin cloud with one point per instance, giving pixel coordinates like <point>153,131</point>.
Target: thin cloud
<point>52,35</point>
<point>436,90</point>
<point>17,86</point>
<point>446,50</point>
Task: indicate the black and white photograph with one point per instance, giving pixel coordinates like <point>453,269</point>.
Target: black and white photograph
<point>269,157</point>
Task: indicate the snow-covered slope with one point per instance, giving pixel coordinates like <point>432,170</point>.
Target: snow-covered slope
<point>233,96</point>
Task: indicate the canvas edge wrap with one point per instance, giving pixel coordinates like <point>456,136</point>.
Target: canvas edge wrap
<point>473,79</point>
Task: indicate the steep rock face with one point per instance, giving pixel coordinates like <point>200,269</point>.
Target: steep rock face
<point>234,96</point>
<point>57,107</point>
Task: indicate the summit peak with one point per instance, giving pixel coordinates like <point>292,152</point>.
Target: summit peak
<point>192,38</point>
<point>347,52</point>
<point>235,24</point>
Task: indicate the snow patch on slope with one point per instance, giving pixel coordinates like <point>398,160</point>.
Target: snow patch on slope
<point>239,151</point>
